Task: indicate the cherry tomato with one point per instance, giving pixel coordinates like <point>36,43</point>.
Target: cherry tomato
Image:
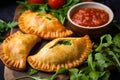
<point>55,4</point>
<point>36,1</point>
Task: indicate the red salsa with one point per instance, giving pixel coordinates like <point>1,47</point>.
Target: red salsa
<point>90,17</point>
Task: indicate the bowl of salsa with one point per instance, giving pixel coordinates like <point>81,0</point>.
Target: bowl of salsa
<point>90,18</point>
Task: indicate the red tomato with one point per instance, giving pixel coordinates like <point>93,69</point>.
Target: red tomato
<point>55,4</point>
<point>36,1</point>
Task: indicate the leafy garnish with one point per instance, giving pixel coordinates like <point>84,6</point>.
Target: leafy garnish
<point>60,13</point>
<point>98,65</point>
<point>116,40</point>
<point>33,71</point>
<point>5,27</point>
<point>102,44</point>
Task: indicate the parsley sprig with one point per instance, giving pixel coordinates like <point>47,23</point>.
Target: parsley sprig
<point>5,27</point>
<point>97,66</point>
<point>60,13</point>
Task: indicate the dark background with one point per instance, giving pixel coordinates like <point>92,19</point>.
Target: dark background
<point>7,9</point>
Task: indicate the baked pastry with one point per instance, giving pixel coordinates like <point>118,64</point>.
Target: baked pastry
<point>61,52</point>
<point>44,25</point>
<point>15,49</point>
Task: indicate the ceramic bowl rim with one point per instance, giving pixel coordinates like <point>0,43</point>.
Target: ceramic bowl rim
<point>93,3</point>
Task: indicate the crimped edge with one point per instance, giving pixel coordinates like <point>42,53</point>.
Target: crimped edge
<point>52,68</point>
<point>44,35</point>
<point>5,59</point>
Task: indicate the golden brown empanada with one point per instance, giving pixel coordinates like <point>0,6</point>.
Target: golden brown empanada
<point>44,25</point>
<point>15,49</point>
<point>61,52</point>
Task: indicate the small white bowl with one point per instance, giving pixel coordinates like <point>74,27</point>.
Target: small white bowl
<point>91,31</point>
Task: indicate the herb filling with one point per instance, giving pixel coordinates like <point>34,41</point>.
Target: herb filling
<point>64,42</point>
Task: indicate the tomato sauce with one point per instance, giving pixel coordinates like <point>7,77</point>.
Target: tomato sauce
<point>90,17</point>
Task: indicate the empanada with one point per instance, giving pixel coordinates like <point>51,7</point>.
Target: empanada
<point>61,52</point>
<point>44,25</point>
<point>15,49</point>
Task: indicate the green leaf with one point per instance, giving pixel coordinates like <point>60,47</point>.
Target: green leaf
<point>60,13</point>
<point>105,75</point>
<point>90,62</point>
<point>94,75</point>
<point>116,49</point>
<point>5,27</point>
<point>117,60</point>
<point>12,24</point>
<point>77,1</point>
<point>68,2</point>
<point>107,38</point>
<point>33,71</point>
<point>60,71</point>
<point>102,61</point>
<point>116,40</point>
<point>38,78</point>
<point>83,77</point>
<point>73,74</point>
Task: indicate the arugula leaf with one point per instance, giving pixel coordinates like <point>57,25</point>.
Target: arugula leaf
<point>68,2</point>
<point>94,75</point>
<point>102,61</point>
<point>60,13</point>
<point>5,27</point>
<point>105,75</point>
<point>33,71</point>
<point>116,40</point>
<point>98,62</point>
<point>62,70</point>
<point>30,75</point>
<point>90,62</point>
<point>102,44</point>
<point>73,74</point>
<point>12,24</point>
<point>115,58</point>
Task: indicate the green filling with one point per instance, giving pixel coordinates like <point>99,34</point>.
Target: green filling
<point>39,14</point>
<point>64,42</point>
<point>48,18</point>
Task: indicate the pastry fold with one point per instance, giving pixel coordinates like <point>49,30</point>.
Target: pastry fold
<point>15,49</point>
<point>61,52</point>
<point>46,26</point>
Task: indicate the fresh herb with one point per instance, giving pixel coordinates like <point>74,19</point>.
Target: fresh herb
<point>39,14</point>
<point>101,60</point>
<point>48,18</point>
<point>64,42</point>
<point>33,71</point>
<point>60,13</point>
<point>5,27</point>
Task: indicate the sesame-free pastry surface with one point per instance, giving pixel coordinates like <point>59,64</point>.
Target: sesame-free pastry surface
<point>15,49</point>
<point>61,52</point>
<point>44,25</point>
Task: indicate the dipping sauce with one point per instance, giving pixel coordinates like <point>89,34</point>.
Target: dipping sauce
<point>90,17</point>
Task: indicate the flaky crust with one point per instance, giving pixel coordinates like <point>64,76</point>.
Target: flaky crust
<point>44,25</point>
<point>15,49</point>
<point>52,57</point>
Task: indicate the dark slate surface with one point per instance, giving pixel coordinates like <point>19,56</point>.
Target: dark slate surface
<point>7,8</point>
